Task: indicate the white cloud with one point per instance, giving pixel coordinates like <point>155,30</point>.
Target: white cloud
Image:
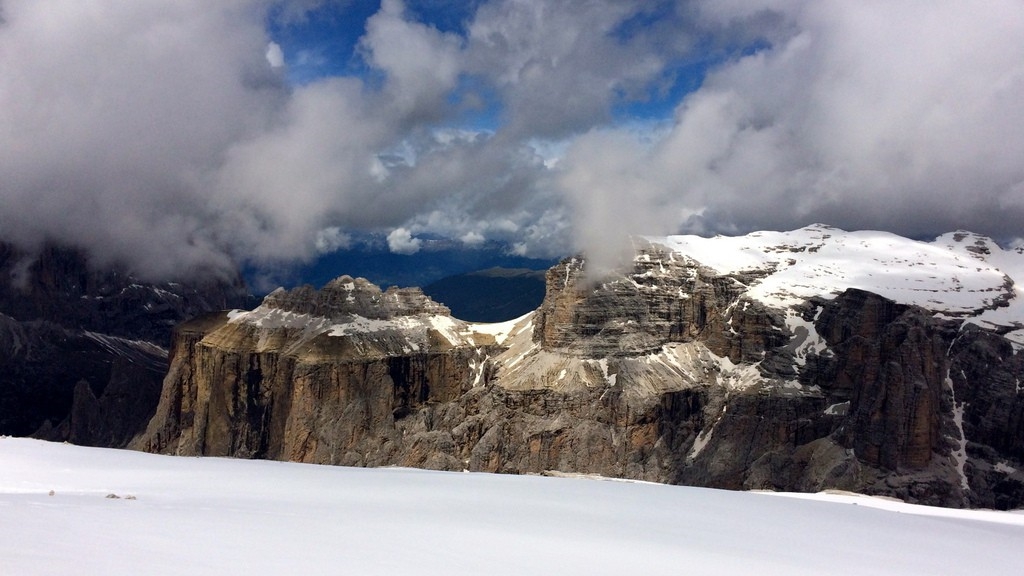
<point>332,239</point>
<point>422,63</point>
<point>897,116</point>
<point>162,134</point>
<point>401,241</point>
<point>560,66</point>
<point>111,114</point>
<point>472,238</point>
<point>275,57</point>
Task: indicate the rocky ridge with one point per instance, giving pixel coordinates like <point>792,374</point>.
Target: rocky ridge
<point>802,361</point>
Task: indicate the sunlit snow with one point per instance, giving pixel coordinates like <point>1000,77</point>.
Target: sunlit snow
<point>956,274</point>
<point>198,516</point>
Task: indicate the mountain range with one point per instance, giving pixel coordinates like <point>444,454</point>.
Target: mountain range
<point>491,295</point>
<point>800,361</point>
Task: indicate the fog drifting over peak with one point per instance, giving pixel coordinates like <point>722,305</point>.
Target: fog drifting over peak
<point>167,134</point>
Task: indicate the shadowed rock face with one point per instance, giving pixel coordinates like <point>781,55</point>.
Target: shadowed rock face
<point>987,375</point>
<point>671,372</point>
<point>59,285</point>
<point>83,350</point>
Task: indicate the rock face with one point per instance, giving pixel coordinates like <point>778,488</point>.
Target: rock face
<point>316,376</point>
<point>684,369</point>
<point>83,350</point>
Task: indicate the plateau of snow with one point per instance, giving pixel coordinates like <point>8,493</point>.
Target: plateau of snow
<point>959,274</point>
<point>195,516</point>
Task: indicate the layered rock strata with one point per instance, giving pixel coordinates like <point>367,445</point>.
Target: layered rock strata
<point>681,370</point>
<point>316,376</point>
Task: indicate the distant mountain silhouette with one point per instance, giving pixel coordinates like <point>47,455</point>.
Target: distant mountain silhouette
<point>371,259</point>
<point>492,295</point>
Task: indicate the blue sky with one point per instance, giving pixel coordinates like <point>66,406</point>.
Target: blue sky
<point>182,136</point>
<point>322,42</point>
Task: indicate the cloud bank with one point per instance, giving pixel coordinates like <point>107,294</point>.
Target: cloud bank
<point>167,135</point>
<point>900,116</point>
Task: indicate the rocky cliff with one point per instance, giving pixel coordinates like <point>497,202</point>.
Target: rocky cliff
<point>329,376</point>
<point>790,361</point>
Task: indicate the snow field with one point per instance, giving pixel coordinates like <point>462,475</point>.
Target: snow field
<point>957,273</point>
<point>218,516</point>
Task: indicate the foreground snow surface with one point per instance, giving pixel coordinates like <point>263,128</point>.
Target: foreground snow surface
<point>216,516</point>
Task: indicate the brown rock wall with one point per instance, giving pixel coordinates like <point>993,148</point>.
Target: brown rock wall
<point>668,374</point>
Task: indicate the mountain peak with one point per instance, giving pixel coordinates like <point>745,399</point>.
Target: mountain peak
<point>345,297</point>
<point>960,274</point>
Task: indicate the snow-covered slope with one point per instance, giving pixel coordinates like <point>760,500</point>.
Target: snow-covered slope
<point>201,516</point>
<point>959,274</point>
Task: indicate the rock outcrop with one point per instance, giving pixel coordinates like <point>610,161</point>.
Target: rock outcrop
<point>778,370</point>
<point>315,376</point>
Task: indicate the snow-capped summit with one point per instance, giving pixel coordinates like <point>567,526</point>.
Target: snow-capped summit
<point>959,274</point>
